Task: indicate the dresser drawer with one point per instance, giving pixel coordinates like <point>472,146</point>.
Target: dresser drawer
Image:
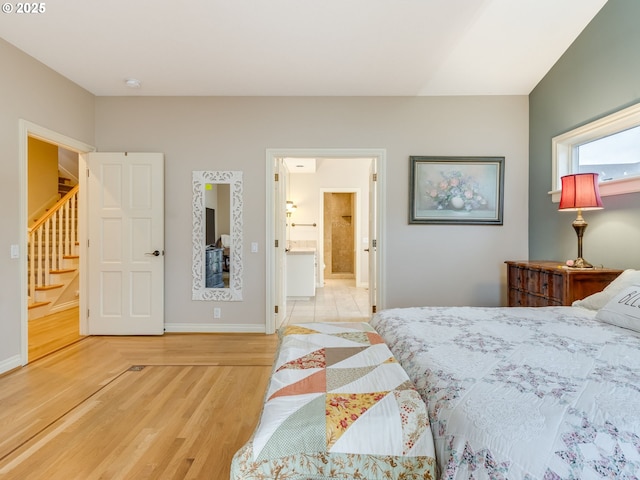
<point>517,277</point>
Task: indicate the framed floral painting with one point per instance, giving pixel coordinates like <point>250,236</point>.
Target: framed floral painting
<point>450,190</point>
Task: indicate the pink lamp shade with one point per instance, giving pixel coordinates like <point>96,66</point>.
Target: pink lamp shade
<point>580,191</point>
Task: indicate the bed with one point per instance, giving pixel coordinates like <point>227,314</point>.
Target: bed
<point>528,393</point>
<point>338,406</point>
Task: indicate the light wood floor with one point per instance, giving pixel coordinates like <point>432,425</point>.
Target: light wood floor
<point>84,413</point>
<point>53,332</point>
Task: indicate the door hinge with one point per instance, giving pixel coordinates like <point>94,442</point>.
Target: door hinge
<point>277,177</point>
<point>374,243</point>
<point>87,243</point>
<point>276,309</point>
<point>276,244</point>
<point>375,177</point>
<point>87,173</point>
<point>87,313</point>
<point>374,309</point>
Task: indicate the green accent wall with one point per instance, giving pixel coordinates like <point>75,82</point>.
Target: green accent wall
<point>598,75</point>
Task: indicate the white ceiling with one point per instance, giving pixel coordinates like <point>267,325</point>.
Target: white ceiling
<point>301,165</point>
<point>302,47</point>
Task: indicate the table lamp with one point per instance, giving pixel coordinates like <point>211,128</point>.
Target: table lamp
<point>580,192</point>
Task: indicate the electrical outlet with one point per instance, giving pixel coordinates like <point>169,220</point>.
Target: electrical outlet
<point>217,312</point>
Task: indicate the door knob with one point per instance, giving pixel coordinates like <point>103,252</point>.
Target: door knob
<point>155,253</point>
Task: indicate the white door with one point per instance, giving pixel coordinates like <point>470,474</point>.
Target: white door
<point>125,210</point>
<point>373,232</point>
<point>280,222</point>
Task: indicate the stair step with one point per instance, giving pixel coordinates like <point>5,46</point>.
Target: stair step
<point>49,287</point>
<point>64,270</point>
<point>37,304</point>
<point>71,256</point>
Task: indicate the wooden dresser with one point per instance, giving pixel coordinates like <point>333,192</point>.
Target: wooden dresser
<point>547,283</point>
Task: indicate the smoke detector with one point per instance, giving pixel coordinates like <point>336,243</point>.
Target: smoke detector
<point>132,82</point>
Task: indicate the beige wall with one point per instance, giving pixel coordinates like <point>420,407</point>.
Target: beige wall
<point>42,177</point>
<point>426,265</point>
<point>33,92</point>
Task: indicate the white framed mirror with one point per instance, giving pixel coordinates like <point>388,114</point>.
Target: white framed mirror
<point>217,235</point>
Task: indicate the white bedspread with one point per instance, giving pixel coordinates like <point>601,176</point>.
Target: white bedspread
<point>523,393</point>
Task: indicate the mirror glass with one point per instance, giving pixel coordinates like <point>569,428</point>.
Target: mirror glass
<point>217,235</point>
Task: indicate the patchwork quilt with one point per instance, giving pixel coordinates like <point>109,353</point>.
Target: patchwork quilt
<point>338,406</point>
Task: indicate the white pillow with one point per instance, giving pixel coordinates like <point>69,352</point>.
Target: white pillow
<point>623,310</point>
<point>598,300</point>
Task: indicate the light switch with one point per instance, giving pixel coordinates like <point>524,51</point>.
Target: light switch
<point>15,251</point>
<point>254,247</point>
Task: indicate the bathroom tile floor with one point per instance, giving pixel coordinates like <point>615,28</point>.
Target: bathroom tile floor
<point>338,301</point>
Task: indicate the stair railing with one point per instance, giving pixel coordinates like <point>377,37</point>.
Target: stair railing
<point>51,239</point>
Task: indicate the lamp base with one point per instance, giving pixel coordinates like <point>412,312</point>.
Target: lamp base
<point>579,225</point>
<point>581,263</point>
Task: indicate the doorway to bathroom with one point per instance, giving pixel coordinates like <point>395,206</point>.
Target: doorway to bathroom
<point>302,227</point>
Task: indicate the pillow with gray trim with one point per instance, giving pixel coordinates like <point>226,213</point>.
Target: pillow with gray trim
<point>623,310</point>
<point>598,300</point>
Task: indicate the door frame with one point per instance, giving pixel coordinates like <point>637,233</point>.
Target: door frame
<point>378,157</point>
<point>28,129</point>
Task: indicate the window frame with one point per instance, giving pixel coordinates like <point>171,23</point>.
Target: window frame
<point>564,145</point>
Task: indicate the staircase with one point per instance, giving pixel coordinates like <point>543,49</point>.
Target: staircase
<point>53,258</point>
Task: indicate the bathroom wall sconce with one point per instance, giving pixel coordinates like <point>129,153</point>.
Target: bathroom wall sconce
<point>291,207</point>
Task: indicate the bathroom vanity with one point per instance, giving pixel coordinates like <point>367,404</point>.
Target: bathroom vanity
<point>301,272</point>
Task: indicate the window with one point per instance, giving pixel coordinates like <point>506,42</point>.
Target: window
<point>609,146</point>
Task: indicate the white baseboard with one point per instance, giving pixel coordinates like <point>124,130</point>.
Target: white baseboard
<point>10,363</point>
<point>217,328</point>
<point>60,307</point>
